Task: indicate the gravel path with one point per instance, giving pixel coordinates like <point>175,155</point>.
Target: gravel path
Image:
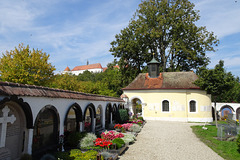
<point>161,140</point>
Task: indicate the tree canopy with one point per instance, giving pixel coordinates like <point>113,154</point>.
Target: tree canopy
<point>105,83</point>
<point>26,66</point>
<point>219,83</point>
<point>166,28</point>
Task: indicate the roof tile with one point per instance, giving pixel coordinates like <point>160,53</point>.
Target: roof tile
<point>166,80</point>
<point>85,67</point>
<point>16,89</point>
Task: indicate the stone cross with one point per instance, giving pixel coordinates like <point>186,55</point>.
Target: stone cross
<point>4,120</point>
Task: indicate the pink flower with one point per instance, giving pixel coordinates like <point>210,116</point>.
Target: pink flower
<point>110,135</point>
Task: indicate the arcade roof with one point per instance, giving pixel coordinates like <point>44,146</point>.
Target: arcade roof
<point>15,89</point>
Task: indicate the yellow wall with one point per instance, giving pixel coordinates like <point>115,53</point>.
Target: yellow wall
<point>178,104</point>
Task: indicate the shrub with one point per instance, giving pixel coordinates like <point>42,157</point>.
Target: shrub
<point>77,154</point>
<point>26,157</point>
<point>128,138</point>
<point>63,155</point>
<point>87,141</point>
<point>238,142</point>
<point>119,142</point>
<point>122,116</point>
<point>74,137</point>
<point>135,128</point>
<point>140,118</point>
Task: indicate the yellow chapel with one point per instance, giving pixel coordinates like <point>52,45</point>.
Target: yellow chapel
<point>168,96</point>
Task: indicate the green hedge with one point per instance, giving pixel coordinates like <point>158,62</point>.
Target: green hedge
<point>122,116</point>
<point>74,138</point>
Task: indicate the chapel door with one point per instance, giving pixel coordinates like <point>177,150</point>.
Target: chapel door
<point>15,133</point>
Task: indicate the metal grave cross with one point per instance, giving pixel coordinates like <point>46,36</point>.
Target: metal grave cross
<point>4,120</point>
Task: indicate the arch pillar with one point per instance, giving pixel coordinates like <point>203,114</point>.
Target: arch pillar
<point>80,126</point>
<point>131,108</point>
<point>30,141</point>
<point>103,119</point>
<point>143,106</point>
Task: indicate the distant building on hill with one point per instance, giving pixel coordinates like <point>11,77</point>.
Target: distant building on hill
<point>95,68</point>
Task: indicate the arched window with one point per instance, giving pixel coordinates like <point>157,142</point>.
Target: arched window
<point>165,106</point>
<point>192,105</point>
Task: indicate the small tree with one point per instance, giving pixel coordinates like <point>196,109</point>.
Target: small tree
<point>26,66</point>
<point>215,81</point>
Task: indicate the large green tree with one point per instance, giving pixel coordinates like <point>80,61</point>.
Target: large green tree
<point>216,82</point>
<point>26,66</point>
<point>167,28</point>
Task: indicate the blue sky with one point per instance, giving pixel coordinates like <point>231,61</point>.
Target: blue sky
<point>74,31</point>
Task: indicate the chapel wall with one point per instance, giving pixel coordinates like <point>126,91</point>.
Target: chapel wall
<point>178,104</point>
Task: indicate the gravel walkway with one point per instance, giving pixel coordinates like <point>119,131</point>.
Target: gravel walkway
<point>161,140</point>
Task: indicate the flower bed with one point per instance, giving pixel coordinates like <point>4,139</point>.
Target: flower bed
<point>118,151</point>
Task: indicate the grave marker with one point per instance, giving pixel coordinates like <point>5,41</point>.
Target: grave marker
<point>4,120</point>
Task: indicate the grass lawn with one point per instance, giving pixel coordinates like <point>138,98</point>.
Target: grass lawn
<point>227,150</point>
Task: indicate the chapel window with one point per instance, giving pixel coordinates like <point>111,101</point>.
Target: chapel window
<point>192,104</point>
<point>165,106</point>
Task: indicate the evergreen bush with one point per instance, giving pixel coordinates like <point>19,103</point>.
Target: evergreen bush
<point>140,118</point>
<point>122,116</point>
<point>119,142</point>
<point>73,138</point>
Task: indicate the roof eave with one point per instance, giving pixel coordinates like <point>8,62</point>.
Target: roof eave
<point>195,88</point>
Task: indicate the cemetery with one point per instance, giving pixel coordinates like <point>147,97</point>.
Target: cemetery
<point>38,122</point>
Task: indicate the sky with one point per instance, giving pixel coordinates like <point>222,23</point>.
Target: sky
<point>73,32</point>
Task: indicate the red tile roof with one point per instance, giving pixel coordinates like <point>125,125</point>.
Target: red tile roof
<point>85,67</point>
<point>15,89</point>
<point>67,69</point>
<point>166,80</point>
<point>105,68</point>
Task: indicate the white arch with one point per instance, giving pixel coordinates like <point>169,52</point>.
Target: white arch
<point>143,104</point>
<point>137,97</point>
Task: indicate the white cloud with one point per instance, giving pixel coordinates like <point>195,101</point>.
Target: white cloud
<point>220,16</point>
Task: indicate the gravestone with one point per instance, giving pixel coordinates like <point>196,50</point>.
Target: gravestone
<point>3,121</point>
<point>228,130</point>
